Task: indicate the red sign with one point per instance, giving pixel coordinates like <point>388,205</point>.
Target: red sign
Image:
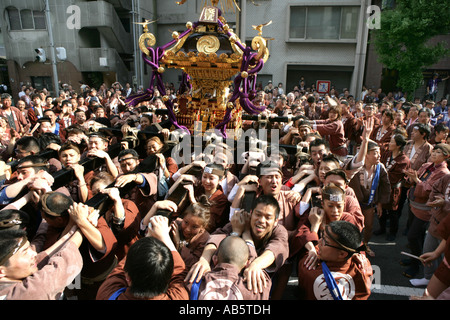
<point>323,86</point>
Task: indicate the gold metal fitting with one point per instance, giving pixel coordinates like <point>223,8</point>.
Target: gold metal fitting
<point>189,25</point>
<point>244,74</point>
<point>165,98</point>
<point>175,35</point>
<point>161,70</point>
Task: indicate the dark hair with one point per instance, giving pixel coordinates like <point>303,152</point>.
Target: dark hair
<point>337,109</point>
<point>47,110</point>
<point>311,99</point>
<point>372,145</point>
<point>200,209</point>
<point>427,111</point>
<point>344,102</point>
<point>389,113</point>
<point>283,153</point>
<point>45,139</point>
<point>149,117</point>
<point>102,176</point>
<point>13,219</point>
<point>103,120</point>
<point>318,142</point>
<point>304,122</point>
<point>267,200</point>
<point>29,144</point>
<point>68,145</point>
<point>157,140</point>
<point>44,119</point>
<point>346,233</point>
<point>149,164</point>
<point>34,159</point>
<point>400,140</point>
<point>75,128</point>
<point>441,126</point>
<point>123,153</point>
<point>34,96</point>
<point>141,109</point>
<point>423,129</point>
<point>149,264</point>
<point>388,103</point>
<point>331,158</point>
<point>8,240</point>
<point>401,130</point>
<point>338,172</point>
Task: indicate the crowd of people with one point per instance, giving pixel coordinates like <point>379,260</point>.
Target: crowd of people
<point>214,228</point>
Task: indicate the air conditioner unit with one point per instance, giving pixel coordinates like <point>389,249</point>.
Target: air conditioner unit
<point>61,53</point>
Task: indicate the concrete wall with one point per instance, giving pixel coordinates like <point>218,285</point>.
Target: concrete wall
<point>100,28</point>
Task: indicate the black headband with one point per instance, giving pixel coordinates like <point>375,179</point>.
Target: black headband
<point>345,248</point>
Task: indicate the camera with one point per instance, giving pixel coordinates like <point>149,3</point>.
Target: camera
<point>315,202</point>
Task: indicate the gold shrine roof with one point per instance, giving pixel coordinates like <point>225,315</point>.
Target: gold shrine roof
<point>205,46</point>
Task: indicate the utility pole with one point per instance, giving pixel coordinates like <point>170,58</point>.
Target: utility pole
<point>135,83</point>
<point>141,63</point>
<point>52,49</point>
<point>243,21</point>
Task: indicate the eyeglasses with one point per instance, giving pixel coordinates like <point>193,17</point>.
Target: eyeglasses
<point>326,244</point>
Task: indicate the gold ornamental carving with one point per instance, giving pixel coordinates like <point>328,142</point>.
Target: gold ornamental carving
<point>147,39</point>
<point>259,44</point>
<point>208,44</point>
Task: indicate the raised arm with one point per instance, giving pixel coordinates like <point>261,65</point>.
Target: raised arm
<point>80,214</point>
<point>368,127</point>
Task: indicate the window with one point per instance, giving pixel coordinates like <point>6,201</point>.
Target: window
<point>39,20</point>
<point>323,22</point>
<point>26,19</point>
<point>14,19</point>
<point>297,26</point>
<point>42,82</point>
<point>349,22</point>
<point>26,16</point>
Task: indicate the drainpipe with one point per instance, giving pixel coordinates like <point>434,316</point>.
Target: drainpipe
<point>52,49</point>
